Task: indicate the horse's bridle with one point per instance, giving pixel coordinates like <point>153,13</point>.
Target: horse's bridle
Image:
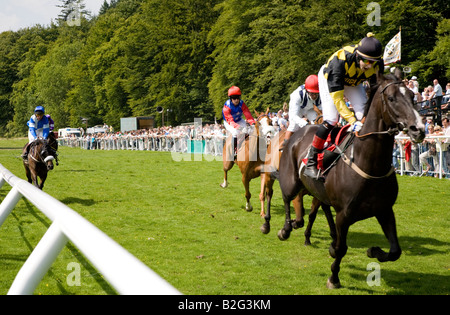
<point>391,131</point>
<point>50,157</point>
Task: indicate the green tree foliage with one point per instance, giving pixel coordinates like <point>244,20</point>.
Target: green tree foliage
<point>183,55</point>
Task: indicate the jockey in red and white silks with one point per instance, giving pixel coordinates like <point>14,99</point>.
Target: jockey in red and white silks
<point>232,112</point>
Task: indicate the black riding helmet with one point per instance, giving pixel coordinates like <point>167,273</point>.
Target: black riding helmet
<point>370,48</point>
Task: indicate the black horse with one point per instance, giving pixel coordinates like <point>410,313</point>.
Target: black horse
<point>362,184</point>
<point>39,162</point>
<point>53,143</point>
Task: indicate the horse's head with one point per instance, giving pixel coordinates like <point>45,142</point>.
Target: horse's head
<point>263,120</point>
<point>398,108</point>
<point>45,153</point>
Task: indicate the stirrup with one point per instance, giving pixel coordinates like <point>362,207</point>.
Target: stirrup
<point>316,176</point>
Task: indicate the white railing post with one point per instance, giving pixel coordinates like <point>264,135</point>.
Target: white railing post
<point>9,203</point>
<point>122,270</point>
<point>39,262</point>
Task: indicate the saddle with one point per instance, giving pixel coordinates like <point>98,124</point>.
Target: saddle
<point>337,142</point>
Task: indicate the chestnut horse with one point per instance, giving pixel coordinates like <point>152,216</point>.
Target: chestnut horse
<point>362,184</point>
<point>251,154</point>
<point>269,173</point>
<point>39,162</point>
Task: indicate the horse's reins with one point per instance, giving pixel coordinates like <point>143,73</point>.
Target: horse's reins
<point>390,131</point>
<point>33,148</point>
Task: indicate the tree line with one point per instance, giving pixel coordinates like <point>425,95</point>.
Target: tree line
<point>134,56</point>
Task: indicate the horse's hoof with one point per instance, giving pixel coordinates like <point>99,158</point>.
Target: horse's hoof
<point>283,235</point>
<point>249,208</point>
<point>332,286</point>
<point>307,242</point>
<point>298,224</point>
<point>265,228</point>
<point>224,185</point>
<point>374,252</point>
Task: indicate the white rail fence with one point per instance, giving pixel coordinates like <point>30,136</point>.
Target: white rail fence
<point>441,164</point>
<point>213,146</point>
<point>122,270</point>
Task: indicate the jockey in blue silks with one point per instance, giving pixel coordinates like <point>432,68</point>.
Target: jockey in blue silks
<point>38,127</point>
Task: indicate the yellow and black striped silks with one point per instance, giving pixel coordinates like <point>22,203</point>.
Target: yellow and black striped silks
<point>342,69</point>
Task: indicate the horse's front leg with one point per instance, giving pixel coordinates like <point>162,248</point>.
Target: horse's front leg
<point>387,222</point>
<point>312,217</point>
<point>327,210</point>
<point>299,211</point>
<point>28,174</point>
<point>285,232</point>
<point>227,165</point>
<point>34,178</point>
<point>262,195</point>
<point>248,195</point>
<point>43,177</point>
<point>268,192</point>
<point>339,250</point>
<point>225,180</point>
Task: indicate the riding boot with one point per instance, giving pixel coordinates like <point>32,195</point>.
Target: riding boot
<point>25,152</point>
<point>311,166</point>
<point>316,147</point>
<point>235,146</point>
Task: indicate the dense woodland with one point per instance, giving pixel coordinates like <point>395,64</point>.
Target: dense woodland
<point>183,55</point>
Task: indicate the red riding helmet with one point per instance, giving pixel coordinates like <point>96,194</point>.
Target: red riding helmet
<point>234,90</point>
<point>312,84</point>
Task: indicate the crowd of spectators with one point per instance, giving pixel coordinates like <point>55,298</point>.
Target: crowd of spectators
<point>424,159</point>
<point>432,96</point>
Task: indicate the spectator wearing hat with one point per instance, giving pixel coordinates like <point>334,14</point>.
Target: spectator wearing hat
<point>415,90</point>
<point>416,83</point>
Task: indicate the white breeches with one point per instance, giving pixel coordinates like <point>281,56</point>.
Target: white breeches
<point>235,132</point>
<point>355,94</point>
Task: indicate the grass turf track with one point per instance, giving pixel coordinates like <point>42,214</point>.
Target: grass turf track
<point>175,218</point>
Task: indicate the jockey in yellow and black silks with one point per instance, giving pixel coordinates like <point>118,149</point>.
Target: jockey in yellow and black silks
<point>344,74</point>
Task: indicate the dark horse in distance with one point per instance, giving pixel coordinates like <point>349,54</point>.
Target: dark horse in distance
<point>39,162</point>
<point>363,183</point>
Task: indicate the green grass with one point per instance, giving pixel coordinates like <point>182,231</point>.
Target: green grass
<point>175,218</point>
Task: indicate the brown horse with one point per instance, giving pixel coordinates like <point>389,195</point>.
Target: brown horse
<point>362,184</point>
<point>251,154</point>
<point>39,162</point>
<point>268,176</point>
